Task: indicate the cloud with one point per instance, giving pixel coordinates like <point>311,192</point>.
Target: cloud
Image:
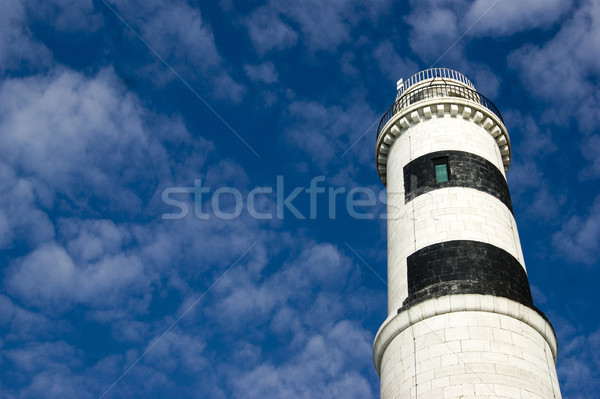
<point>18,48</point>
<point>325,349</point>
<point>90,240</point>
<point>324,367</point>
<point>324,265</point>
<point>82,167</point>
<point>434,27</point>
<point>39,356</point>
<point>325,133</point>
<point>579,364</point>
<point>74,136</point>
<point>532,146</point>
<point>507,17</point>
<point>264,72</point>
<point>590,149</point>
<point>579,238</point>
<point>544,204</point>
<point>179,34</point>
<point>49,279</point>
<point>95,275</point>
<point>21,219</point>
<point>45,278</point>
<point>24,325</point>
<point>435,24</point>
<point>561,72</point>
<point>538,296</point>
<point>327,24</point>
<point>45,367</point>
<point>244,298</point>
<point>267,31</point>
<point>319,25</point>
<point>66,15</point>
<point>4,230</point>
<point>323,24</point>
<point>481,75</point>
<point>177,351</point>
<point>113,269</point>
<point>391,64</point>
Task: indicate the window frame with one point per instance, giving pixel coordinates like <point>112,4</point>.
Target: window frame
<point>439,161</point>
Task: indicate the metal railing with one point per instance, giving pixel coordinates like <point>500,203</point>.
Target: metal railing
<point>443,73</point>
<point>435,91</point>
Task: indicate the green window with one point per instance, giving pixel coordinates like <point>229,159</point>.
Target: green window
<point>441,172</point>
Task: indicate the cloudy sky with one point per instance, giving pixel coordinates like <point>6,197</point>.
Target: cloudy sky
<point>147,149</point>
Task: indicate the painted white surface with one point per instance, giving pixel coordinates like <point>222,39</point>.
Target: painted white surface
<point>459,346</point>
<point>455,213</point>
<point>444,349</point>
<point>448,123</point>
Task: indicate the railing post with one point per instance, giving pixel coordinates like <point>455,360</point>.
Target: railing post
<point>428,92</point>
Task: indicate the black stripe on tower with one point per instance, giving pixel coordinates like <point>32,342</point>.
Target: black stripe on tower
<point>465,267</point>
<point>463,170</point>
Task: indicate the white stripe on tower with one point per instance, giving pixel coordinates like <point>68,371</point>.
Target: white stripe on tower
<point>461,321</point>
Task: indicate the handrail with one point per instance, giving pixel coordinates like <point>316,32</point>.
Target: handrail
<point>434,91</point>
<point>434,73</point>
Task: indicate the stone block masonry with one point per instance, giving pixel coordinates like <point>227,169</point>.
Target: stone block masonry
<point>465,267</point>
<point>461,320</point>
<point>465,170</point>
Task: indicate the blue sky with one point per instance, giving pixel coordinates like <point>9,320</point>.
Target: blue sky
<point>104,106</point>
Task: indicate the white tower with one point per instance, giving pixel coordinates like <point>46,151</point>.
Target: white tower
<point>461,321</point>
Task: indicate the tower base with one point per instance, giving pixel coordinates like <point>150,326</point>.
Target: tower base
<point>467,346</point>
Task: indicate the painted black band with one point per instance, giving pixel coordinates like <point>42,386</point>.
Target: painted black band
<point>465,267</point>
<point>464,170</point>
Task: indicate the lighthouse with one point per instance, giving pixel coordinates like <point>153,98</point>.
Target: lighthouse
<point>461,321</point>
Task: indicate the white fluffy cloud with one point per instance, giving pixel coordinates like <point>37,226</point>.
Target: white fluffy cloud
<point>264,72</point>
<point>21,218</point>
<point>579,237</point>
<point>528,181</point>
<point>437,24</point>
<point>579,362</point>
<point>49,279</point>
<point>560,75</point>
<point>318,352</point>
<point>179,34</point>
<point>24,324</point>
<point>66,15</point>
<point>82,167</point>
<point>267,31</point>
<point>561,71</point>
<point>18,48</point>
<point>590,149</point>
<point>75,136</point>
<point>434,27</point>
<point>391,64</point>
<point>325,366</point>
<point>322,25</point>
<point>245,297</point>
<point>86,147</point>
<point>511,16</point>
<point>324,133</point>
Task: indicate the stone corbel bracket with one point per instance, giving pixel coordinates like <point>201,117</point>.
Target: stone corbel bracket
<point>440,108</point>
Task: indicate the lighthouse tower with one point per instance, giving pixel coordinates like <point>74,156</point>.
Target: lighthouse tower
<point>461,321</point>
